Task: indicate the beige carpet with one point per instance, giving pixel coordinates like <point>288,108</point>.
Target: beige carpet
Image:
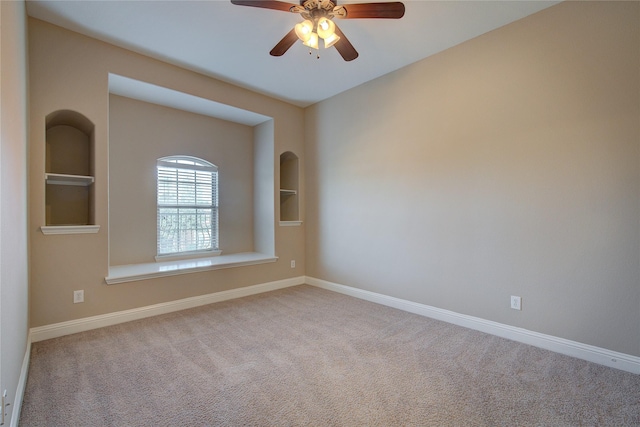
<point>304,356</point>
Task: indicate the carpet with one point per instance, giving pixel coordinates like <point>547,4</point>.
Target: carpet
<point>305,356</point>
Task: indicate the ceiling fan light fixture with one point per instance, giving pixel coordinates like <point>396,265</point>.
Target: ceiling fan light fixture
<point>312,41</point>
<point>304,30</point>
<point>331,40</point>
<point>318,21</point>
<point>326,28</point>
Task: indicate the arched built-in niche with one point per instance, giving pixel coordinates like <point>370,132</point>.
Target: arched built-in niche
<point>289,191</point>
<point>69,198</point>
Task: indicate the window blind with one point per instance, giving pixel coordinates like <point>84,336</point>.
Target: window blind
<point>187,206</point>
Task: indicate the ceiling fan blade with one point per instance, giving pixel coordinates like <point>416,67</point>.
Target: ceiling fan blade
<point>389,10</point>
<point>268,4</point>
<point>283,45</point>
<point>344,47</point>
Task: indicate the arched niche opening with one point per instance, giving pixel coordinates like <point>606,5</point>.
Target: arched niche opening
<point>289,191</point>
<point>69,197</point>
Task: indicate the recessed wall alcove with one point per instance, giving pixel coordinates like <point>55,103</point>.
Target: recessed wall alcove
<point>69,194</point>
<point>289,192</point>
<point>168,122</point>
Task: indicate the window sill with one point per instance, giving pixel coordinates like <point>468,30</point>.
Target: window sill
<point>189,256</point>
<point>135,272</point>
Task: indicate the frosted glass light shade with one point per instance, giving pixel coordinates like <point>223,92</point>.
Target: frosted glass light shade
<point>326,28</point>
<point>304,30</point>
<point>312,41</point>
<point>331,40</point>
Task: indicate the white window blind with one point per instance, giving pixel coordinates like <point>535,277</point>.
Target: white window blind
<point>187,205</point>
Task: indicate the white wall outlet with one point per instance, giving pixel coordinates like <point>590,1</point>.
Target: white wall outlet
<point>78,296</point>
<point>4,405</point>
<point>516,303</point>
<point>293,263</point>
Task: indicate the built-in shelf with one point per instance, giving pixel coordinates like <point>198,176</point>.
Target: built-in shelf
<point>285,192</point>
<point>69,174</point>
<point>289,187</point>
<point>69,229</point>
<point>63,179</point>
<point>290,223</point>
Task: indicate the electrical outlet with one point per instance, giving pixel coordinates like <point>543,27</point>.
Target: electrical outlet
<point>4,405</point>
<point>78,296</point>
<point>516,303</point>
<point>293,263</point>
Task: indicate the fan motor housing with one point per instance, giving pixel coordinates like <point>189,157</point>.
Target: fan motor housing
<point>327,5</point>
<point>315,9</point>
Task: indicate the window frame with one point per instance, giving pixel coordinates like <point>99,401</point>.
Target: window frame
<point>195,164</point>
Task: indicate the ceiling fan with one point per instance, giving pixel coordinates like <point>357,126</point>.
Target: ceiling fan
<point>318,22</point>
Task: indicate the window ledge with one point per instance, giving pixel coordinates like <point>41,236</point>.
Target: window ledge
<point>189,256</point>
<point>151,270</point>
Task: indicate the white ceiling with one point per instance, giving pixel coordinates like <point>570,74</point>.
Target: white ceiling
<point>232,43</point>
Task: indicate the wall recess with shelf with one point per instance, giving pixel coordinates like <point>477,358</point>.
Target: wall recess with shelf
<point>69,197</point>
<point>289,191</point>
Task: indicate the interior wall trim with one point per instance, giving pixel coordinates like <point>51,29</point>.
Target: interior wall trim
<point>56,330</point>
<point>575,349</point>
<point>22,384</point>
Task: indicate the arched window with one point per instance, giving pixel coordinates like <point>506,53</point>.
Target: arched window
<point>187,205</point>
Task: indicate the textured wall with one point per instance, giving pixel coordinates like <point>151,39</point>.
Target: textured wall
<point>70,71</point>
<point>507,165</point>
<point>139,134</point>
<point>13,199</point>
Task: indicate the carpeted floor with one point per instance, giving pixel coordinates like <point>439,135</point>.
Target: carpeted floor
<point>304,356</point>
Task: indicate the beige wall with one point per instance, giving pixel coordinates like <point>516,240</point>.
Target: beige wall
<point>70,71</point>
<point>264,214</point>
<point>507,165</point>
<point>139,134</point>
<point>13,199</point>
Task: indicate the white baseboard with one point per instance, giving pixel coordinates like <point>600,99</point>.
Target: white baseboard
<point>22,384</point>
<point>586,352</point>
<point>41,333</point>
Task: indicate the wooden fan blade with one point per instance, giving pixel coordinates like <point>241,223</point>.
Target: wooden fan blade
<point>344,47</point>
<point>283,45</point>
<point>389,10</point>
<point>268,4</point>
